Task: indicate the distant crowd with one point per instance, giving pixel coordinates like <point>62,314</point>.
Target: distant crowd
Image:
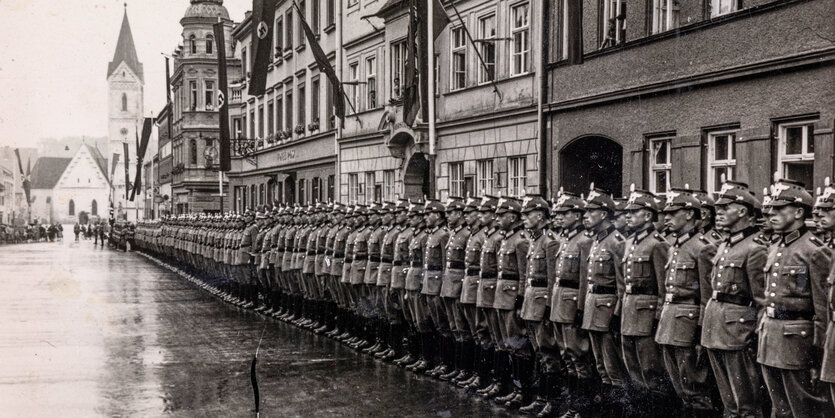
<point>34,232</point>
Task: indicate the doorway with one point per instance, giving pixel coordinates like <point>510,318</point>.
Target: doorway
<point>416,177</point>
<point>591,159</point>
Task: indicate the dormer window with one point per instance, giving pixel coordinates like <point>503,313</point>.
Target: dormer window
<point>209,44</point>
<point>192,41</point>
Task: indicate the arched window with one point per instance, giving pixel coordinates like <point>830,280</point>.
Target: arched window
<point>209,44</point>
<point>194,151</point>
<point>192,40</point>
<point>124,102</point>
<point>72,207</point>
<point>94,207</point>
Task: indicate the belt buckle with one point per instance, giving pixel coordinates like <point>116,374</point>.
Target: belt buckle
<point>629,288</point>
<point>769,311</point>
<point>669,297</point>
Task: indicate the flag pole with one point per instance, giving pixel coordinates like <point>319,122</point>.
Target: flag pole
<point>430,94</point>
<point>337,175</point>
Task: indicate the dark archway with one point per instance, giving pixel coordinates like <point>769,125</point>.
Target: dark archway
<point>94,208</point>
<point>83,218</point>
<point>72,208</point>
<point>416,177</point>
<point>592,159</point>
<point>290,189</point>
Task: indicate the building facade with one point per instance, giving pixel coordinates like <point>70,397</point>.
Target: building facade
<point>675,93</point>
<point>126,83</point>
<point>7,186</point>
<point>194,83</point>
<point>285,150</point>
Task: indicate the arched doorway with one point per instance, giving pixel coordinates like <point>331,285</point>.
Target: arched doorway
<point>83,218</point>
<point>416,177</point>
<point>72,208</point>
<point>591,159</point>
<point>290,189</point>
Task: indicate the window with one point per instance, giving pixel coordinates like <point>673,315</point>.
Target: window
<point>261,121</point>
<point>314,101</point>
<point>388,185</point>
<point>517,176</point>
<point>484,172</point>
<point>288,29</point>
<point>456,179</point>
<point>720,7</point>
<point>252,132</point>
<point>314,16</point>
<point>665,15</point>
<point>519,29</point>
<point>398,69</point>
<point>302,16</point>
<point>371,81</point>
<point>72,207</point>
<point>253,196</point>
<point>614,23</point>
<point>329,105</point>
<point>458,59</point>
<point>721,158</point>
<point>192,41</point>
<point>288,108</point>
<point>270,118</point>
<point>279,113</point>
<point>487,48</point>
<point>193,150</point>
<point>796,152</point>
<point>236,123</point>
<point>369,192</point>
<point>660,165</point>
<point>353,188</point>
<point>330,12</point>
<point>315,189</point>
<point>436,74</point>
<point>244,62</point>
<point>279,36</point>
<point>331,186</point>
<point>353,74</point>
<point>124,102</point>
<point>301,102</point>
<point>261,194</point>
<point>563,31</point>
<point>210,44</point>
<point>192,85</point>
<point>210,95</point>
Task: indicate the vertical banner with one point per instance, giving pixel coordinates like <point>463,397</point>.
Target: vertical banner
<point>222,104</point>
<point>126,149</point>
<point>263,17</point>
<point>168,96</point>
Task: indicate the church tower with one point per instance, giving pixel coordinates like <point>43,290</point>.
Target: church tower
<point>126,82</point>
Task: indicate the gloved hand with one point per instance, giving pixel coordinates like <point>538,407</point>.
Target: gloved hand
<point>578,317</point>
<point>519,301</point>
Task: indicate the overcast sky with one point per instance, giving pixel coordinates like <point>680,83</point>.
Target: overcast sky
<point>54,55</point>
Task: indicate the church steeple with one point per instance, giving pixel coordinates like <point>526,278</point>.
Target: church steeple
<point>126,51</point>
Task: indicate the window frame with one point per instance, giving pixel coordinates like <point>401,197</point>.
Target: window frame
<point>398,68</point>
<point>712,163</point>
<point>370,182</point>
<point>653,167</point>
<point>805,157</point>
<point>457,50</point>
<point>353,76</point>
<point>209,95</point>
<point>389,182</point>
<point>353,187</point>
<point>485,176</point>
<point>210,40</point>
<point>715,9</point>
<point>670,10</point>
<point>517,176</point>
<point>456,178</point>
<point>371,81</point>
<point>301,102</point>
<point>483,47</point>
<point>315,86</point>
<point>194,95</point>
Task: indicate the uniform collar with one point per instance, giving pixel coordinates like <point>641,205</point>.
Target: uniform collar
<point>736,237</point>
<point>536,233</point>
<point>681,239</point>
<point>792,236</point>
<point>640,235</point>
<point>571,233</point>
<point>604,233</point>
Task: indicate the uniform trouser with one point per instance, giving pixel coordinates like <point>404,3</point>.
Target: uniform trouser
<point>514,334</point>
<point>392,305</point>
<point>689,370</point>
<point>338,291</point>
<point>398,295</point>
<point>438,314</point>
<point>607,358</point>
<point>545,344</point>
<point>575,350</point>
<point>832,393</point>
<point>643,360</point>
<point>419,311</point>
<point>475,324</point>
<point>794,395</point>
<point>490,318</point>
<point>457,323</point>
<point>738,381</point>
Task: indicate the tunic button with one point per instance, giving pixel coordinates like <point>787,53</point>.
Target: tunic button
<point>741,319</point>
<point>574,298</point>
<point>774,274</point>
<point>779,254</point>
<point>771,294</point>
<point>772,304</point>
<point>774,285</point>
<point>721,267</point>
<point>690,314</point>
<point>803,333</point>
<point>609,304</point>
<point>726,251</point>
<point>718,283</point>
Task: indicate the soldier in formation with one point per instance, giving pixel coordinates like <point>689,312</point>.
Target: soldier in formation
<point>583,306</point>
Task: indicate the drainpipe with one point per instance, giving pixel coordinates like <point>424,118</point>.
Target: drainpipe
<point>430,9</point>
<point>541,78</point>
<point>336,170</point>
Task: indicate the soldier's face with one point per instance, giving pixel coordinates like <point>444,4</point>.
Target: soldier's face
<point>507,219</point>
<point>472,217</point>
<point>387,218</point>
<point>454,217</point>
<point>414,220</point>
<point>638,218</point>
<point>782,218</point>
<point>402,217</point>
<point>487,218</point>
<point>571,218</point>
<point>677,221</point>
<point>594,217</point>
<point>826,219</point>
<point>620,221</point>
<point>559,219</point>
<point>433,218</point>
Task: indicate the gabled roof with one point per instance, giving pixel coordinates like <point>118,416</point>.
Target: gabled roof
<point>47,171</point>
<point>101,162</point>
<point>126,52</point>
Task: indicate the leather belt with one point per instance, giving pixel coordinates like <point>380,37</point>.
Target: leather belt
<point>473,271</point>
<point>674,299</point>
<point>417,264</point>
<point>328,252</point>
<point>386,259</point>
<point>399,263</point>
<point>602,290</point>
<point>374,258</point>
<point>782,315</point>
<point>488,275</point>
<point>433,268</point>
<point>456,265</point>
<point>732,299</point>
<point>508,276</point>
<point>539,282</point>
<point>360,257</point>
<point>570,284</point>
<point>640,290</point>
<point>311,253</point>
<point>339,255</point>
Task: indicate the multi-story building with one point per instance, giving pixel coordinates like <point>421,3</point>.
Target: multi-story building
<point>194,84</point>
<point>485,103</point>
<point>7,186</point>
<point>163,162</point>
<point>672,93</point>
<point>284,148</point>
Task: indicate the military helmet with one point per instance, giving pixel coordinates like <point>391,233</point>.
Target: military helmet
<point>826,199</point>
<point>508,204</point>
<point>568,201</point>
<point>599,199</point>
<point>455,203</point>
<point>737,192</point>
<point>488,203</point>
<point>433,205</point>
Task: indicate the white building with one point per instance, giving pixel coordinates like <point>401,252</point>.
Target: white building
<point>68,190</point>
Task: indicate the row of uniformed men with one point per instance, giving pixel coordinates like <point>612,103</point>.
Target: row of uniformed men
<point>573,306</point>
